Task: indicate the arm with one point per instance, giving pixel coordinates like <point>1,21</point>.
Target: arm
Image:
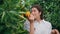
<point>54,31</point>
<point>31,20</point>
<point>57,32</point>
<point>31,28</point>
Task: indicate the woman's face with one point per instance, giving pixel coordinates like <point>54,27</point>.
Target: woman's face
<point>35,13</point>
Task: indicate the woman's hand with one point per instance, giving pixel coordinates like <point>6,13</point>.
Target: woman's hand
<point>31,18</point>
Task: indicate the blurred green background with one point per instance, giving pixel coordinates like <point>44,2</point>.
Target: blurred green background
<point>11,21</point>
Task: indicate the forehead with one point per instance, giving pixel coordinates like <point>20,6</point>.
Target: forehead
<point>34,8</point>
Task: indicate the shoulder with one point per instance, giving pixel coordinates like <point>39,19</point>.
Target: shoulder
<point>47,23</point>
<point>26,22</point>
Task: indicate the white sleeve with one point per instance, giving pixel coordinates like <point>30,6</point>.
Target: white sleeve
<point>27,25</point>
<point>48,31</point>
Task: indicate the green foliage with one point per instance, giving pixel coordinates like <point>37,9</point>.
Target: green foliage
<point>11,21</point>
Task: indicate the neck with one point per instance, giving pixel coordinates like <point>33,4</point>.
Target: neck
<point>38,19</point>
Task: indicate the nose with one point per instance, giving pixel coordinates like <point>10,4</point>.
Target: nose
<point>32,12</point>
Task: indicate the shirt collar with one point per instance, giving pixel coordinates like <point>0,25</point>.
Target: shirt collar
<point>42,21</point>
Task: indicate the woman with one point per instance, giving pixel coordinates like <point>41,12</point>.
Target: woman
<point>36,24</point>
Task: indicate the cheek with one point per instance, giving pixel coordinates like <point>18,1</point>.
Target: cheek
<point>36,13</point>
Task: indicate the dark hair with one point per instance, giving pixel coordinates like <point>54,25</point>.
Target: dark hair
<point>39,8</point>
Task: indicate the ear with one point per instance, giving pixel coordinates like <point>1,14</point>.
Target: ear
<point>40,13</point>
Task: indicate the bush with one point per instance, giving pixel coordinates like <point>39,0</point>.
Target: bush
<point>11,21</point>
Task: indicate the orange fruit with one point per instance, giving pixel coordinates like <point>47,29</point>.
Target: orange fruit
<point>27,14</point>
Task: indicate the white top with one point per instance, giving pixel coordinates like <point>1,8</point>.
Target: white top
<point>43,27</point>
